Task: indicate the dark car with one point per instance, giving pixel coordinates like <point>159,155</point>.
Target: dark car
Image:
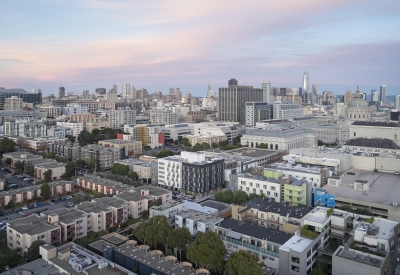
<point>63,198</point>
<point>31,206</point>
<point>17,209</point>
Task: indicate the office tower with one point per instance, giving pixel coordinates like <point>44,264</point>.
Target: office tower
<point>347,97</point>
<point>133,92</point>
<point>266,87</point>
<point>397,102</point>
<point>113,90</point>
<point>86,93</point>
<point>126,90</point>
<point>100,91</point>
<point>364,96</point>
<point>374,95</point>
<point>36,91</point>
<point>275,91</point>
<point>300,91</point>
<point>188,95</point>
<point>232,82</point>
<point>61,92</point>
<point>171,91</point>
<point>305,82</point>
<point>314,89</point>
<point>383,93</point>
<point>282,91</point>
<point>142,93</point>
<point>256,112</point>
<point>232,100</point>
<point>178,94</point>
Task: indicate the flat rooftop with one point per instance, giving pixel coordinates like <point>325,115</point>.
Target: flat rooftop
<point>297,243</point>
<point>32,225</point>
<point>114,202</point>
<point>359,256</point>
<point>153,190</point>
<point>67,215</point>
<point>132,195</point>
<point>280,208</point>
<point>114,238</point>
<point>384,187</point>
<point>215,204</point>
<point>101,245</point>
<point>256,231</point>
<point>199,216</point>
<point>169,204</point>
<point>38,266</point>
<point>252,152</point>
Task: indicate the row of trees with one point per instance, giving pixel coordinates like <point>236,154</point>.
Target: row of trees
<point>239,197</point>
<point>123,170</point>
<point>6,146</point>
<point>96,135</point>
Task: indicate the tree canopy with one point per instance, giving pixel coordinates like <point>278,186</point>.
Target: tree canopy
<point>207,251</point>
<point>80,163</point>
<point>7,145</point>
<point>205,146</point>
<point>33,250</point>
<point>197,147</point>
<point>20,166</point>
<point>92,163</point>
<point>243,263</point>
<point>29,168</point>
<point>48,175</point>
<point>45,191</point>
<point>153,232</point>
<point>8,161</point>
<point>185,142</point>
<point>179,238</point>
<point>240,197</point>
<point>120,169</point>
<point>133,175</point>
<point>164,154</point>
<point>86,138</point>
<point>262,146</point>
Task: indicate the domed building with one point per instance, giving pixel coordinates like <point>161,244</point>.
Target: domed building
<point>358,108</point>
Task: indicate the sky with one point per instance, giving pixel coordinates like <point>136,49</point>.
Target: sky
<point>85,44</point>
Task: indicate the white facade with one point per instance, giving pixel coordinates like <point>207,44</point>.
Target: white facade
<point>175,131</point>
<point>74,109</point>
<point>327,133</point>
<point>77,127</point>
<point>126,90</point>
<point>169,172</point>
<point>163,116</point>
<point>375,131</point>
<point>397,102</point>
<point>25,129</point>
<point>252,185</point>
<point>120,117</point>
<point>14,103</point>
<point>266,87</point>
<point>60,132</point>
<point>230,130</point>
<point>287,110</point>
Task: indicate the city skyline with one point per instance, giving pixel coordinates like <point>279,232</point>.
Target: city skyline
<point>91,44</point>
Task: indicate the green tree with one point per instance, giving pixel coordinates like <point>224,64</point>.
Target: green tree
<point>45,191</point>
<point>10,204</point>
<point>223,143</point>
<point>219,196</point>
<point>205,146</point>
<point>8,161</point>
<point>144,214</point>
<point>92,163</point>
<point>197,147</point>
<point>10,259</point>
<point>29,169</point>
<point>51,155</point>
<point>243,263</point>
<point>96,132</point>
<point>185,142</point>
<point>77,199</point>
<point>154,231</point>
<point>33,250</point>
<point>214,145</point>
<point>164,154</point>
<point>240,197</point>
<point>320,269</point>
<point>7,145</point>
<point>262,146</point>
<point>70,138</point>
<point>227,196</point>
<point>80,163</point>
<point>109,133</point>
<point>86,138</point>
<point>19,165</point>
<point>207,251</point>
<point>70,170</point>
<point>133,175</point>
<point>179,238</point>
<point>120,169</point>
<point>48,175</point>
<point>236,140</point>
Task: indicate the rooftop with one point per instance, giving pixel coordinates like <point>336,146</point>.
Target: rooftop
<point>199,216</point>
<point>215,204</point>
<point>38,266</point>
<point>376,123</point>
<point>101,245</point>
<point>279,208</point>
<point>252,152</point>
<point>297,243</point>
<point>256,231</point>
<point>114,238</point>
<point>278,132</point>
<point>384,187</point>
<point>358,256</point>
<point>31,225</point>
<point>153,190</point>
<point>373,142</point>
<point>169,204</point>
<point>117,141</point>
<point>296,168</point>
<point>67,215</point>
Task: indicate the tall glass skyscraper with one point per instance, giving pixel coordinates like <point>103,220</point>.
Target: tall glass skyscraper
<point>305,82</point>
<point>383,93</point>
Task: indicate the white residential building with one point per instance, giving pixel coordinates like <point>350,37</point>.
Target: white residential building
<point>164,116</point>
<point>25,129</point>
<point>59,131</point>
<point>77,127</point>
<point>121,116</point>
<point>74,109</point>
<point>259,185</point>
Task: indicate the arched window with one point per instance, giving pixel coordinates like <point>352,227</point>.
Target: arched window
<point>252,145</point>
<point>271,147</point>
<point>276,146</point>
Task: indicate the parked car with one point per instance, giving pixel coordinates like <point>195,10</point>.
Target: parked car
<point>39,204</point>
<point>25,208</point>
<point>17,209</point>
<point>63,198</point>
<point>397,173</point>
<point>68,197</point>
<point>70,204</point>
<point>35,205</point>
<point>31,206</point>
<point>20,213</point>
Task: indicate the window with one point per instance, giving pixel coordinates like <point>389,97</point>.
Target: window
<point>381,246</point>
<point>295,268</point>
<point>295,259</point>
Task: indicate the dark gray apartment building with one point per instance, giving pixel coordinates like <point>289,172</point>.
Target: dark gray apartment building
<point>232,100</point>
<point>202,176</point>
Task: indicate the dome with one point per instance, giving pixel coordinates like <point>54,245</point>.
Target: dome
<point>357,102</point>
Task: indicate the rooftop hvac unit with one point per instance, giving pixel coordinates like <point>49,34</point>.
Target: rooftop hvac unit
<point>102,265</point>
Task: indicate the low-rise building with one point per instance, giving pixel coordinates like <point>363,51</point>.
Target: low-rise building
<point>327,133</point>
<point>97,123</point>
<point>58,131</point>
<point>147,170</point>
<point>131,147</point>
<point>56,168</point>
<point>176,131</point>
<point>196,221</point>
<point>207,138</point>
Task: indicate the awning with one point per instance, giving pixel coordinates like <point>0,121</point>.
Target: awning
<point>234,235</point>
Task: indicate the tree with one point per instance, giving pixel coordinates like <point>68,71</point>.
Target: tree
<point>80,163</point>
<point>207,251</point>
<point>205,146</point>
<point>19,165</point>
<point>153,232</point>
<point>77,199</point>
<point>236,140</point>
<point>48,175</point>
<point>219,196</point>
<point>96,132</point>
<point>227,196</point>
<point>23,143</point>
<point>86,138</point>
<point>70,138</point>
<point>185,142</point>
<point>51,155</point>
<point>197,147</point>
<point>144,214</point>
<point>243,263</point>
<point>223,143</point>
<point>109,133</point>
<point>164,154</point>
<point>120,169</point>
<point>33,250</point>
<point>10,204</point>
<point>29,169</point>
<point>133,175</point>
<point>214,145</point>
<point>92,163</point>
<point>240,197</point>
<point>45,191</point>
<point>10,259</point>
<point>179,238</point>
<point>7,145</point>
<point>262,146</point>
<point>8,161</point>
<point>320,269</point>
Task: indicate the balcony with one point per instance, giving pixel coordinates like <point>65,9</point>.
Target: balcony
<point>71,235</point>
<point>56,234</point>
<point>71,229</point>
<point>55,240</point>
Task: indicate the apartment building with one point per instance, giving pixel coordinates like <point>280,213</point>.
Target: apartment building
<point>253,184</point>
<point>106,157</point>
<point>97,123</point>
<point>170,172</point>
<point>137,202</point>
<point>149,135</point>
<point>74,109</point>
<point>130,147</point>
<point>56,168</point>
<point>24,129</point>
<point>52,111</point>
<point>286,110</point>
<point>196,221</point>
<point>255,112</point>
<point>147,170</point>
<point>76,127</point>
<point>207,138</point>
<point>120,117</point>
<point>42,143</point>
<point>21,233</point>
<point>164,117</point>
<point>58,131</point>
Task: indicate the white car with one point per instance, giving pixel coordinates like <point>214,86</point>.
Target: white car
<point>25,208</point>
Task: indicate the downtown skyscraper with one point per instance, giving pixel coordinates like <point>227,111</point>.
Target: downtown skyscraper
<point>305,86</point>
<point>383,93</point>
<point>232,101</point>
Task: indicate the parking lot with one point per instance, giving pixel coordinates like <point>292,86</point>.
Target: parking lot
<point>13,179</point>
